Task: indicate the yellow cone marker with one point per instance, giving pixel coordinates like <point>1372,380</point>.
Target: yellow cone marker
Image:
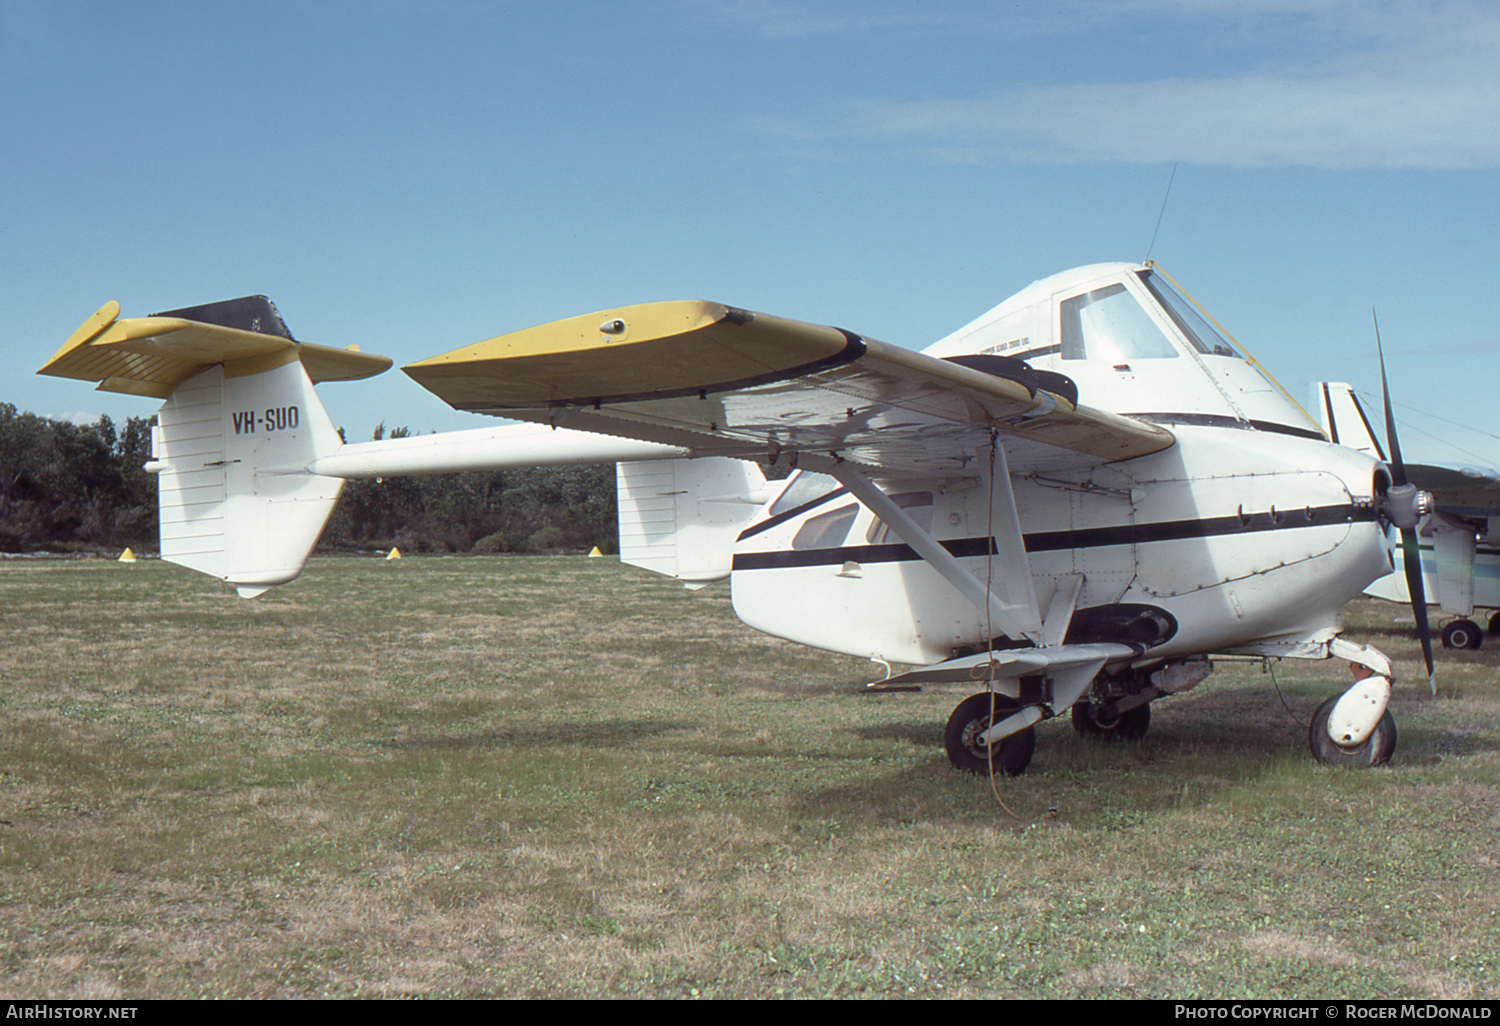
<point>395,553</point>
<point>129,557</point>
<point>595,554</point>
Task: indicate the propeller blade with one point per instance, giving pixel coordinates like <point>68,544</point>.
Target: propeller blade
<point>1410,556</point>
<point>1413,561</point>
<point>1398,468</point>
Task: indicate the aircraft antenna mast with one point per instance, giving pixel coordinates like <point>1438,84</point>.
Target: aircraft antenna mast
<point>1162,213</point>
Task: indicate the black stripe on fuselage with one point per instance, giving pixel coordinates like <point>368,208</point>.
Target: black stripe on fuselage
<point>1218,421</point>
<point>1053,541</point>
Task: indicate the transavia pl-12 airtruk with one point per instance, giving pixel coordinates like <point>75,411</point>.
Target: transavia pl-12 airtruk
<point>1071,503</point>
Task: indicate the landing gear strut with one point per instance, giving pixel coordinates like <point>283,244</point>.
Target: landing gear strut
<point>970,720</point>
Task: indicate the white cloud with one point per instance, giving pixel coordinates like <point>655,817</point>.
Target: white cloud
<point>1348,121</point>
<point>82,418</point>
<point>1392,85</point>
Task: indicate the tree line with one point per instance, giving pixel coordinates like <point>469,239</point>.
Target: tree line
<point>71,488</point>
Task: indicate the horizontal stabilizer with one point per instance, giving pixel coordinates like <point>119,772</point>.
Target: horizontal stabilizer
<point>151,356</point>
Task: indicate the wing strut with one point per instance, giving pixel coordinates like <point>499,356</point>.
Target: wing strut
<point>1060,609</point>
<point>1009,600</point>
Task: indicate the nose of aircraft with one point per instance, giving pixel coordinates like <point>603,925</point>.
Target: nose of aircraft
<point>1367,548</point>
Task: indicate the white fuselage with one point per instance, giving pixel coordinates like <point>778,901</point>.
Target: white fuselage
<point>1247,535</point>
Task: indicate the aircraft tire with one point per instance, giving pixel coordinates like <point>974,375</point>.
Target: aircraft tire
<point>1464,634</point>
<point>1131,725</point>
<point>1495,623</point>
<point>972,717</point>
<point>1376,751</point>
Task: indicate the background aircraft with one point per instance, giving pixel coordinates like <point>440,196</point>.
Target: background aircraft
<point>1459,540</point>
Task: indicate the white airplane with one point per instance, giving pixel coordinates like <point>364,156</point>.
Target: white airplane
<point>1462,533</point>
<point>1071,503</point>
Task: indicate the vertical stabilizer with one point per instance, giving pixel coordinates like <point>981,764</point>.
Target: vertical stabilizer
<point>1344,419</point>
<point>681,517</point>
<point>231,452</point>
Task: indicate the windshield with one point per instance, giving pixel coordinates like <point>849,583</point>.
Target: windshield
<point>1110,324</point>
<point>1200,334</point>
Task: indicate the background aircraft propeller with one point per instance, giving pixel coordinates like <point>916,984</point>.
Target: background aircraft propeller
<point>1403,505</point>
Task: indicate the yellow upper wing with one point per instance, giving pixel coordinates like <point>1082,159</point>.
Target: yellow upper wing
<point>725,381</point>
<point>151,356</point>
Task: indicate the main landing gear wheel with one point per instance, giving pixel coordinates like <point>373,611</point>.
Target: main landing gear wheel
<point>1376,751</point>
<point>1462,634</point>
<point>1130,725</point>
<point>971,719</point>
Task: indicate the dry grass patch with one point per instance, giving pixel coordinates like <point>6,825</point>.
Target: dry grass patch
<point>560,777</point>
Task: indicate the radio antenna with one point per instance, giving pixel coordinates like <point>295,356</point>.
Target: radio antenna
<point>1161,214</point>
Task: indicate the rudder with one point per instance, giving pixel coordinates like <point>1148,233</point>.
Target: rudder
<point>235,498</point>
<point>680,517</point>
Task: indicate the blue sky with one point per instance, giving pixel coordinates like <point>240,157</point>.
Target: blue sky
<point>413,177</point>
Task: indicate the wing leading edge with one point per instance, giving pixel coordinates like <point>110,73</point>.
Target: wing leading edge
<point>725,381</point>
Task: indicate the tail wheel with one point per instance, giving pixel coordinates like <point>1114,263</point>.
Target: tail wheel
<point>971,719</point>
<point>1376,750</point>
<point>1130,725</point>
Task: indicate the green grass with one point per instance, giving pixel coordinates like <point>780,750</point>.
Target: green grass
<point>560,777</point>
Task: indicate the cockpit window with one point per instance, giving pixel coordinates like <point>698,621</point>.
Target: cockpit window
<point>804,487</point>
<point>1189,321</point>
<point>826,530</point>
<point>1110,324</point>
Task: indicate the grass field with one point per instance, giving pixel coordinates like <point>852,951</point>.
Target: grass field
<point>558,777</point>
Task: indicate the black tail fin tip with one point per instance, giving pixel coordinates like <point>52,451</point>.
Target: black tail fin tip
<point>248,313</point>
